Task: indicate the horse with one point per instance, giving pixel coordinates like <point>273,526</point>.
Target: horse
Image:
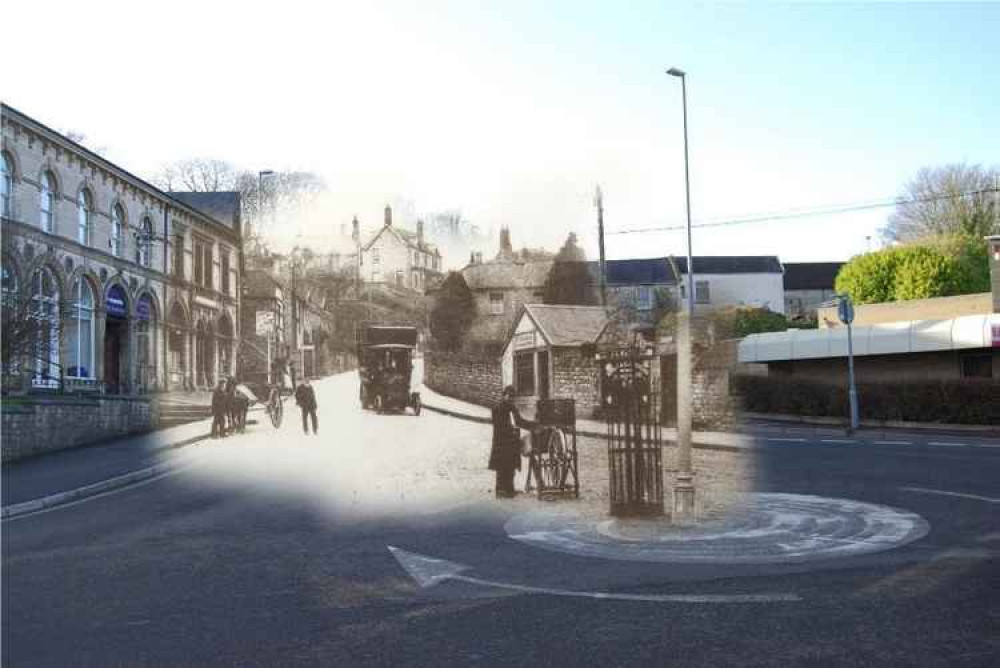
<point>237,407</point>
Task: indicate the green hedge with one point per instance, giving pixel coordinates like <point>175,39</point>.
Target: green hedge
<point>967,401</point>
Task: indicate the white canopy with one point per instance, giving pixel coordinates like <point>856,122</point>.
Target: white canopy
<point>908,336</point>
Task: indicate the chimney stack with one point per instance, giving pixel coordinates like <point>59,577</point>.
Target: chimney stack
<point>506,249</point>
<point>355,230</point>
<point>388,216</point>
<point>993,250</point>
<point>420,232</point>
<point>472,258</point>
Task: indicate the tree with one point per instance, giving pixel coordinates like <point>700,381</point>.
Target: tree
<point>453,312</point>
<point>735,323</point>
<point>257,196</point>
<point>569,280</point>
<point>939,267</point>
<point>949,200</point>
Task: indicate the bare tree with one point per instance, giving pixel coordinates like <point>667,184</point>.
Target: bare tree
<point>27,330</point>
<point>258,196</point>
<point>941,201</point>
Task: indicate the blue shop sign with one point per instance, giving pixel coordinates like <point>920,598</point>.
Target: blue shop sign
<point>144,308</point>
<point>115,302</point>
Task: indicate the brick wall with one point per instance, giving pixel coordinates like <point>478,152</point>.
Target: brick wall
<point>469,377</point>
<point>36,425</point>
<point>574,376</point>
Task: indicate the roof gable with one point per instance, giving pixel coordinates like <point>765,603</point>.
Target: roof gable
<point>564,325</point>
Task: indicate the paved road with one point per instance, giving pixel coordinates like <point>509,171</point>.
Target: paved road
<point>271,549</point>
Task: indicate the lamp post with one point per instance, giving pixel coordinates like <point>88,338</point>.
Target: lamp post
<point>684,485</point>
<point>260,214</point>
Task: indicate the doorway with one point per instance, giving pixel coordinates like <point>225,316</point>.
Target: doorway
<point>543,374</point>
<point>115,330</point>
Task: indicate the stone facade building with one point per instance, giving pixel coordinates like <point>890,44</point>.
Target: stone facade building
<point>130,289</point>
<point>398,257</point>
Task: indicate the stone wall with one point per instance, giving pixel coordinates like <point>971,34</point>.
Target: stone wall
<point>466,376</point>
<point>574,376</point>
<point>36,425</point>
<point>715,408</point>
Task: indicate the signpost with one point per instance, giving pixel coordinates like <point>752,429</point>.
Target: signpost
<point>845,311</point>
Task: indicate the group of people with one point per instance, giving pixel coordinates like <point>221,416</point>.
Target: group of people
<point>229,407</point>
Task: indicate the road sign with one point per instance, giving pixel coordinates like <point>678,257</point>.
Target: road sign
<point>265,323</point>
<point>845,311</point>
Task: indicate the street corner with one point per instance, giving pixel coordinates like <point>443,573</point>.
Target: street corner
<point>767,529</point>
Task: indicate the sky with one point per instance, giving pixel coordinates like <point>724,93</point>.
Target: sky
<point>513,112</point>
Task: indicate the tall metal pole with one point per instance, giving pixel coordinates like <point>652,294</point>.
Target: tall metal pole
<point>684,495</point>
<point>599,202</point>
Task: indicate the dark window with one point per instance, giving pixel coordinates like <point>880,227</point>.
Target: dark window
<point>524,373</point>
<point>179,256</point>
<point>225,272</point>
<point>701,294</point>
<point>208,267</point>
<point>977,366</point>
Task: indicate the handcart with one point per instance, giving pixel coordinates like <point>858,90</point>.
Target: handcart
<point>553,464</point>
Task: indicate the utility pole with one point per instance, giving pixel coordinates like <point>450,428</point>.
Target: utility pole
<point>599,203</point>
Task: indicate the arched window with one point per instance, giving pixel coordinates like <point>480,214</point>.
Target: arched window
<point>48,201</point>
<point>6,184</point>
<point>9,304</point>
<point>117,230</point>
<point>80,334</point>
<point>84,208</point>
<point>144,249</point>
<point>45,313</point>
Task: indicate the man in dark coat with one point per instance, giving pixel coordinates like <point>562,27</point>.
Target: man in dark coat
<point>220,405</point>
<point>505,455</point>
<point>305,397</point>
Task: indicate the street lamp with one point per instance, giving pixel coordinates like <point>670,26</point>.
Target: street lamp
<point>684,485</point>
<point>260,213</point>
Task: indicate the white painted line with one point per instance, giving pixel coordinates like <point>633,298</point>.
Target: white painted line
<point>787,440</point>
<point>974,497</point>
<point>893,442</point>
<point>837,440</point>
<point>429,571</point>
<point>946,445</point>
<point>983,445</point>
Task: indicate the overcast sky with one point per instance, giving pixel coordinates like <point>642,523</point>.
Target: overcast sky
<point>512,111</point>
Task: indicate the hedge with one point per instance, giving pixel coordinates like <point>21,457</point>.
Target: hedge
<point>967,401</point>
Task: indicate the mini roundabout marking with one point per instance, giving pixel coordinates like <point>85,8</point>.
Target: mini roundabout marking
<point>766,529</point>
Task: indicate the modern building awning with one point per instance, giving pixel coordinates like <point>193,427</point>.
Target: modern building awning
<point>892,338</point>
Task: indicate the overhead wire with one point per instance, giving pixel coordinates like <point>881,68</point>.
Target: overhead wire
<point>806,213</point>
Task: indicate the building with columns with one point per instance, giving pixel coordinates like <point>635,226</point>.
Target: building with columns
<point>125,289</point>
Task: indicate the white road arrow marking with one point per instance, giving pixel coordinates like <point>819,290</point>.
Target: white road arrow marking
<point>429,571</point>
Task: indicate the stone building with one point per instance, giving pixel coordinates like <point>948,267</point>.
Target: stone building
<point>398,257</point>
<point>131,289</point>
<point>544,355</point>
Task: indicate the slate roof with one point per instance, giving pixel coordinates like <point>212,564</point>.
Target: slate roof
<point>568,325</point>
<point>497,275</point>
<point>811,275</point>
<point>731,264</point>
<point>224,206</point>
<point>653,270</point>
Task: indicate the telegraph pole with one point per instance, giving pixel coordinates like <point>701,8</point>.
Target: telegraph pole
<point>599,203</point>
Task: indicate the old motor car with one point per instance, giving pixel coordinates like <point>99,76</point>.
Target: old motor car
<point>385,366</point>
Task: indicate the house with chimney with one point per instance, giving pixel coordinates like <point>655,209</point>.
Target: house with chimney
<point>399,258</point>
<point>501,286</point>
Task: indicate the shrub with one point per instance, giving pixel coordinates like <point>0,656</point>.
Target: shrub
<point>967,401</point>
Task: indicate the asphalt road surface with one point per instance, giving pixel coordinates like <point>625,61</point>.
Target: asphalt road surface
<point>271,549</point>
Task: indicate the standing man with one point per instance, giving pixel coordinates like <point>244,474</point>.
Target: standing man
<point>505,455</point>
<point>305,397</point>
<point>220,404</point>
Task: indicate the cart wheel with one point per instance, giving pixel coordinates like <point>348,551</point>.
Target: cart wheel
<point>379,406</point>
<point>416,405</point>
